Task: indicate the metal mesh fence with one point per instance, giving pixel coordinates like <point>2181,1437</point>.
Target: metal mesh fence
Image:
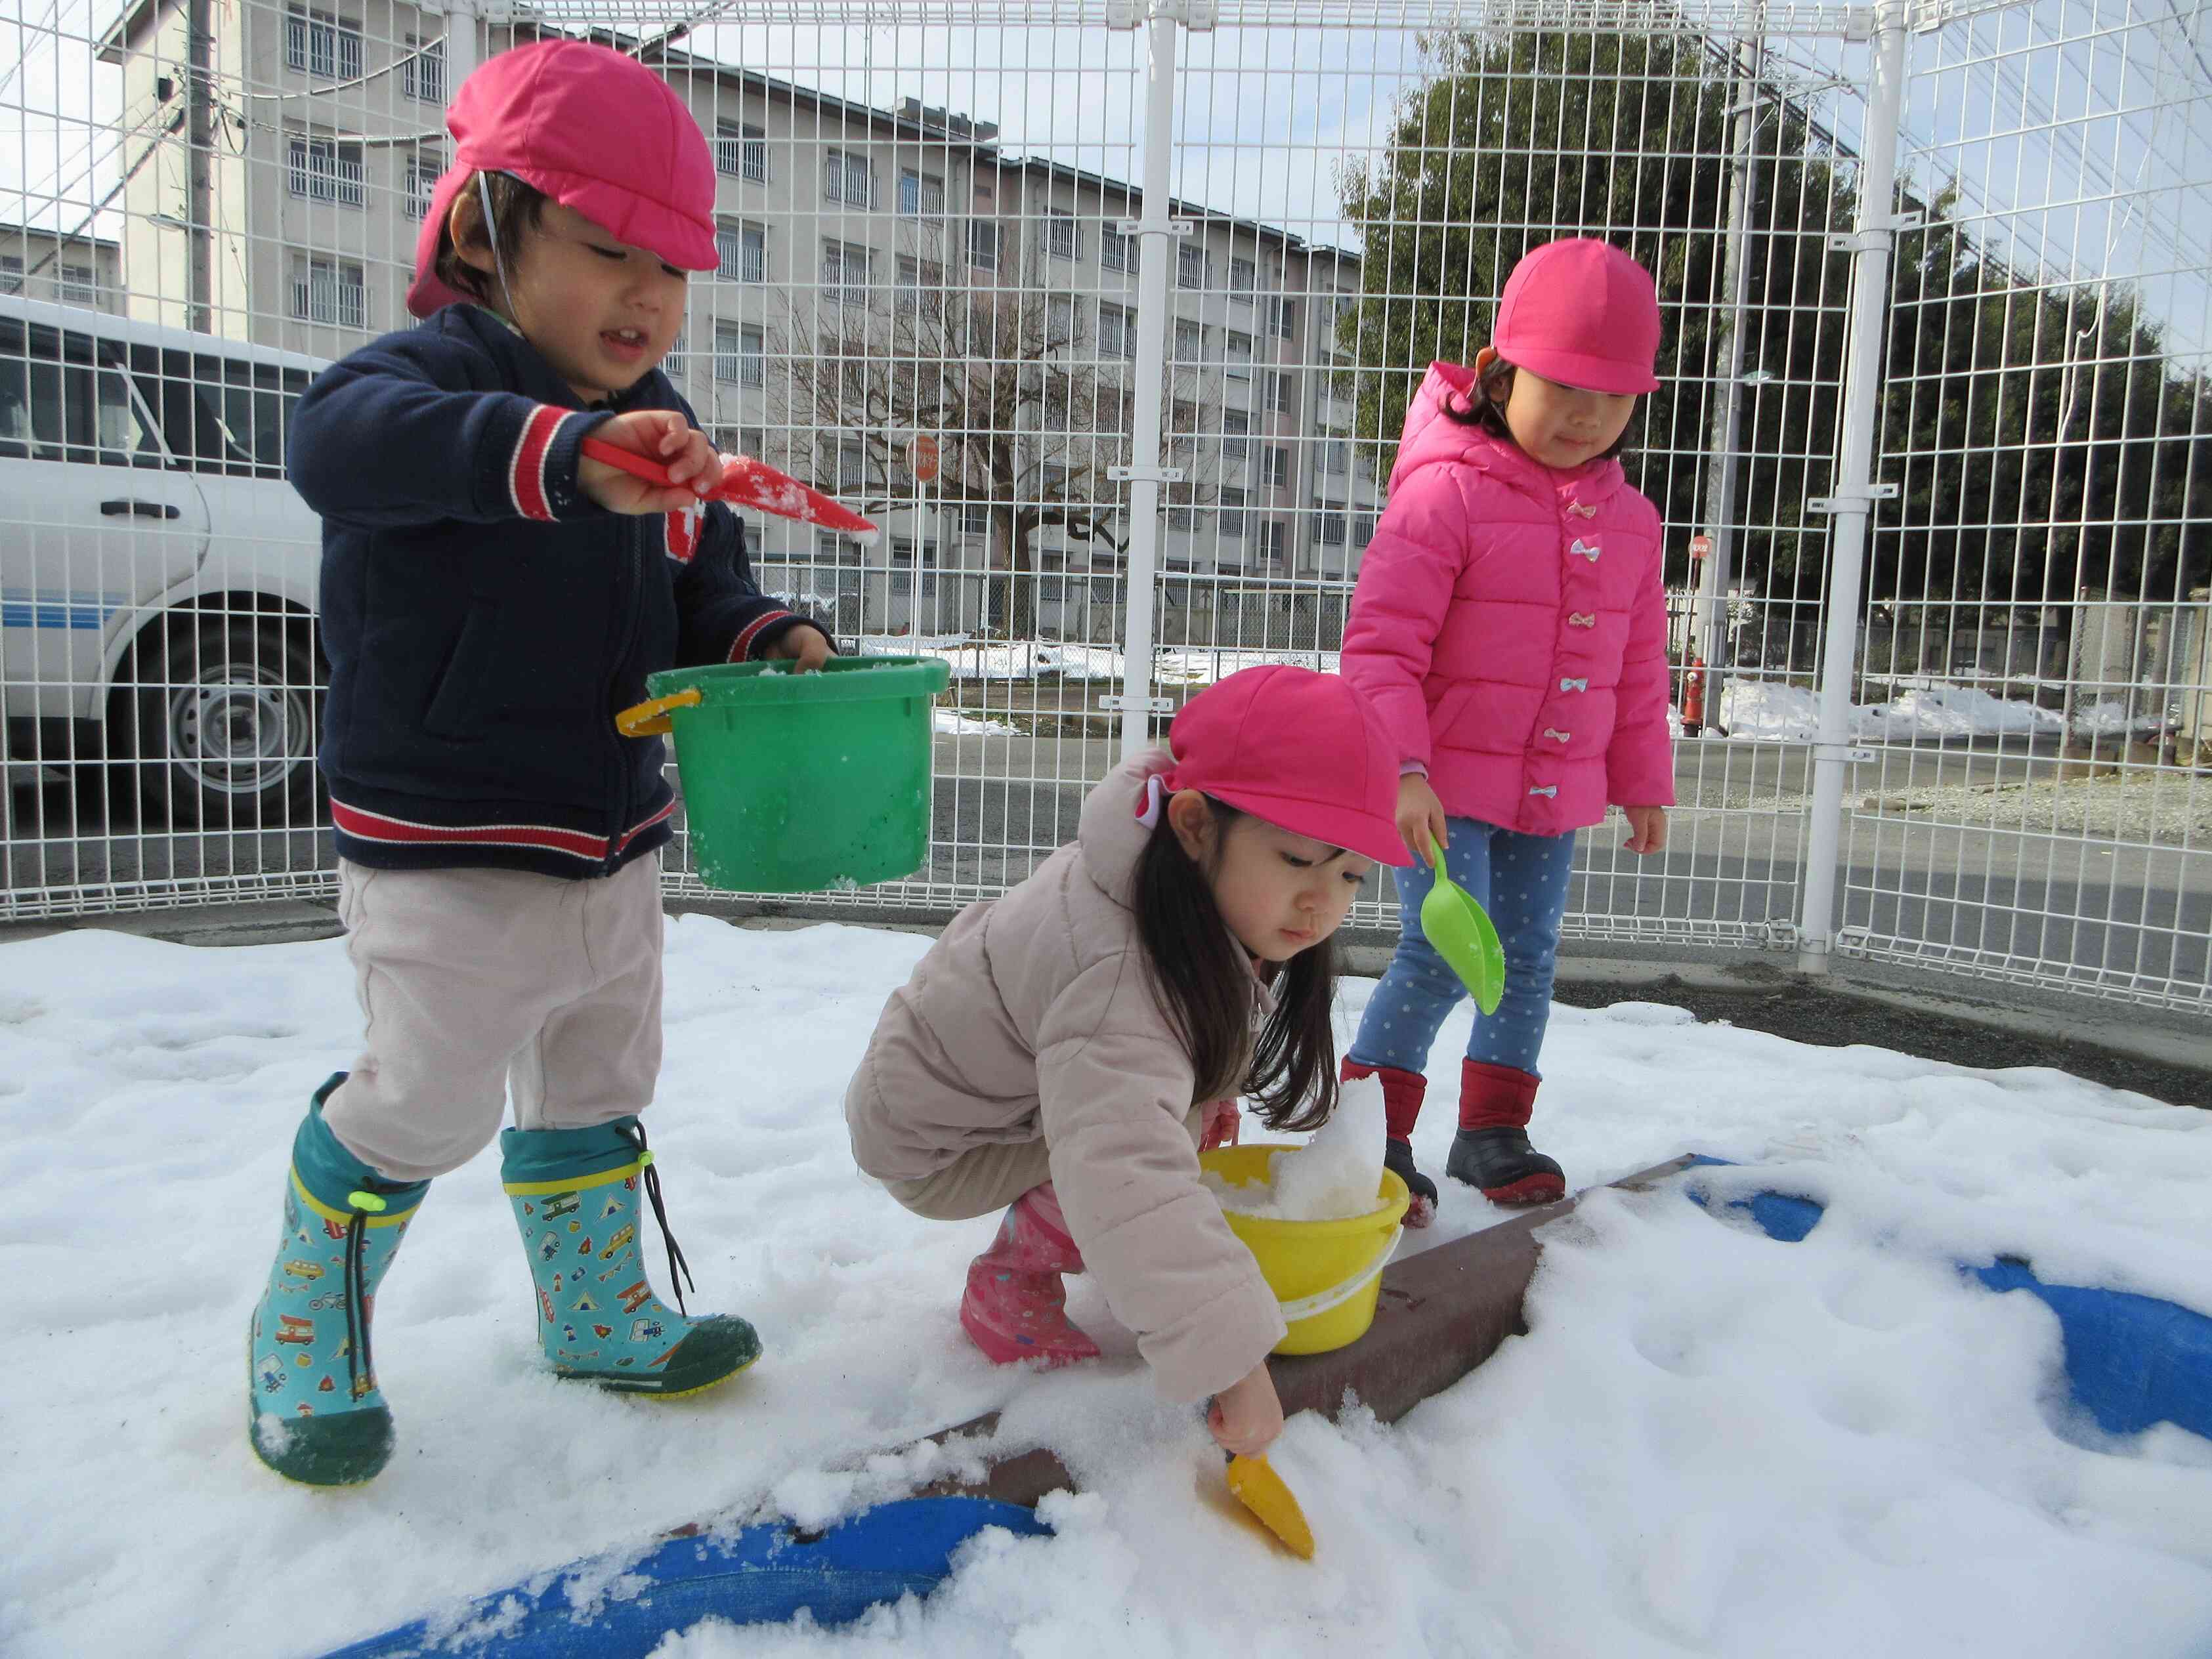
<point>1110,319</point>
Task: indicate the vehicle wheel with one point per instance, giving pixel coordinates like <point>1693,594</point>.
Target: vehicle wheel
<point>220,726</point>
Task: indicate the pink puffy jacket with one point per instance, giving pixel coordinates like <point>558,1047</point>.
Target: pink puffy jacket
<point>1511,627</point>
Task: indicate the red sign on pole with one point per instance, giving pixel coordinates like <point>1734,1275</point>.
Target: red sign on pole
<point>1701,547</point>
<point>921,457</point>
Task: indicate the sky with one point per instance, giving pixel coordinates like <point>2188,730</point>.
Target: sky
<point>2078,132</point>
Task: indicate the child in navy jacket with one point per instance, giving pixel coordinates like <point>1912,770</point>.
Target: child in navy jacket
<point>490,598</point>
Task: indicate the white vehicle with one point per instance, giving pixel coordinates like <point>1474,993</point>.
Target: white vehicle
<point>157,574</point>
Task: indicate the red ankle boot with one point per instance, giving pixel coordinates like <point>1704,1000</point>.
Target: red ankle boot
<point>1491,1149</point>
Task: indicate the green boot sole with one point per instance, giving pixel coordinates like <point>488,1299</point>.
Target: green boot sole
<point>344,1451</point>
<point>718,1348</point>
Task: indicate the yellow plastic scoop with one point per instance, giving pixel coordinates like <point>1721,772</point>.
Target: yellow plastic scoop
<point>1261,1490</point>
<point>1462,934</point>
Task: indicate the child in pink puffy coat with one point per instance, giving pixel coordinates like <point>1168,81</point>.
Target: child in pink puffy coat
<point>1510,628</point>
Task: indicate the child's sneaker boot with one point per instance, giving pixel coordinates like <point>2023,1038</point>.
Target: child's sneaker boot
<point>1016,1308</point>
<point>1491,1149</point>
<point>313,1411</point>
<point>576,1198</point>
<point>1401,1107</point>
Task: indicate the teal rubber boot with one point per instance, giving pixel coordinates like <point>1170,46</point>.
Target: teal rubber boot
<point>576,1198</point>
<point>313,1413</point>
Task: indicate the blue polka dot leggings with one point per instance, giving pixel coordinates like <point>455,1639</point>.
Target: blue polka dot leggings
<point>1521,881</point>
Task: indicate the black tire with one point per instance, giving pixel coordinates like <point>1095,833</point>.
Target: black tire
<point>218,721</point>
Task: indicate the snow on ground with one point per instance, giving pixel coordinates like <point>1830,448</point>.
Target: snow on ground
<point>1767,711</point>
<point>1709,1444</point>
<point>1028,660</point>
<point>951,723</point>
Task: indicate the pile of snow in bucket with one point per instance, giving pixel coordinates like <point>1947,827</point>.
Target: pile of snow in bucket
<point>1334,1176</point>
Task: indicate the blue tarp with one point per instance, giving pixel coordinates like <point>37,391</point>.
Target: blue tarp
<point>2132,1361</point>
<point>761,1575</point>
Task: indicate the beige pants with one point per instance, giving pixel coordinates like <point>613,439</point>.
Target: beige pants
<point>990,1178</point>
<point>470,981</point>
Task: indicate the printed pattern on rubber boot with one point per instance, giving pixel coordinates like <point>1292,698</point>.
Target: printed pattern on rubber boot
<point>575,1196</point>
<point>1015,1306</point>
<point>314,1413</point>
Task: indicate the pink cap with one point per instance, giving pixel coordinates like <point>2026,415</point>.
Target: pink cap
<point>595,131</point>
<point>1298,749</point>
<point>1584,313</point>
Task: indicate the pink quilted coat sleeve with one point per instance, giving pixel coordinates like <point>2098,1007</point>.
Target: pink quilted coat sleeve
<point>1398,607</point>
<point>1639,762</point>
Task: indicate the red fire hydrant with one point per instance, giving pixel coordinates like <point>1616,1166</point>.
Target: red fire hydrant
<point>1693,698</point>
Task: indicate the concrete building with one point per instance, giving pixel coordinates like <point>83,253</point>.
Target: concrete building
<point>863,250</point>
<point>70,271</point>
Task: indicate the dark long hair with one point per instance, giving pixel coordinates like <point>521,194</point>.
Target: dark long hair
<point>1485,409</point>
<point>1202,976</point>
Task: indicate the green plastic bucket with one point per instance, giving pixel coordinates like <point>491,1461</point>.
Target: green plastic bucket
<point>795,783</point>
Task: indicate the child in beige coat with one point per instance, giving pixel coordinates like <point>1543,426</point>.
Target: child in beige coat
<point>1055,1052</point>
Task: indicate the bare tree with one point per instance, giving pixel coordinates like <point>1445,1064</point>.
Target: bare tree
<point>1028,411</point>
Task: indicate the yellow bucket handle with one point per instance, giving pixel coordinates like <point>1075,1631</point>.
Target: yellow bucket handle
<point>650,720</point>
<point>1306,1307</point>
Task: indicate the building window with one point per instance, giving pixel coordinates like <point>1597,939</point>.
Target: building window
<point>849,178</point>
<point>324,170</point>
<point>1059,321</point>
<point>1275,542</point>
<point>1063,237</point>
<point>423,173</point>
<point>1244,280</point>
<point>11,274</point>
<point>1328,525</point>
<point>1117,332</point>
<point>334,291</point>
<point>1240,355</point>
<point>1190,266</point>
<point>1336,457</point>
<point>1363,529</point>
<point>740,355</point>
<point>740,252</point>
<point>1282,396</point>
<point>80,285</point>
<point>1232,512</point>
<point>975,518</point>
<point>983,244</point>
<point>1275,468</point>
<point>922,194</point>
<point>852,469</point>
<point>752,440</point>
<point>679,352</point>
<point>1282,318</point>
<point>1115,251</point>
<point>844,274</point>
<point>321,44</point>
<point>741,151</point>
<point>422,71</point>
<point>1189,342</point>
<point>1234,423</point>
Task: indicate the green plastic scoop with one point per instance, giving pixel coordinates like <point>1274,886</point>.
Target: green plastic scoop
<point>1455,924</point>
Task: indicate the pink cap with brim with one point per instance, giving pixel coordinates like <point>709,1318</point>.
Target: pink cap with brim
<point>1298,749</point>
<point>594,130</point>
<point>1583,313</point>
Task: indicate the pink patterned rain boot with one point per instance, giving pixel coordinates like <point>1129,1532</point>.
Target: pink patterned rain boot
<point>1015,1308</point>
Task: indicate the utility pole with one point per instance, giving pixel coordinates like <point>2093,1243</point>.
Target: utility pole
<point>200,166</point>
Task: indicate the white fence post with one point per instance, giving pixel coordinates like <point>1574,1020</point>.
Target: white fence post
<point>1145,475</point>
<point>1874,226</point>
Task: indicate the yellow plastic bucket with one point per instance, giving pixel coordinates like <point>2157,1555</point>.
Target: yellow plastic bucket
<point>1326,1274</point>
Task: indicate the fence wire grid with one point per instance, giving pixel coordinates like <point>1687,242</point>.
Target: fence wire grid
<point>1107,313</point>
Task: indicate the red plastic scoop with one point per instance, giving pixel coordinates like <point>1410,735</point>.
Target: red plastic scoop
<point>746,483</point>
